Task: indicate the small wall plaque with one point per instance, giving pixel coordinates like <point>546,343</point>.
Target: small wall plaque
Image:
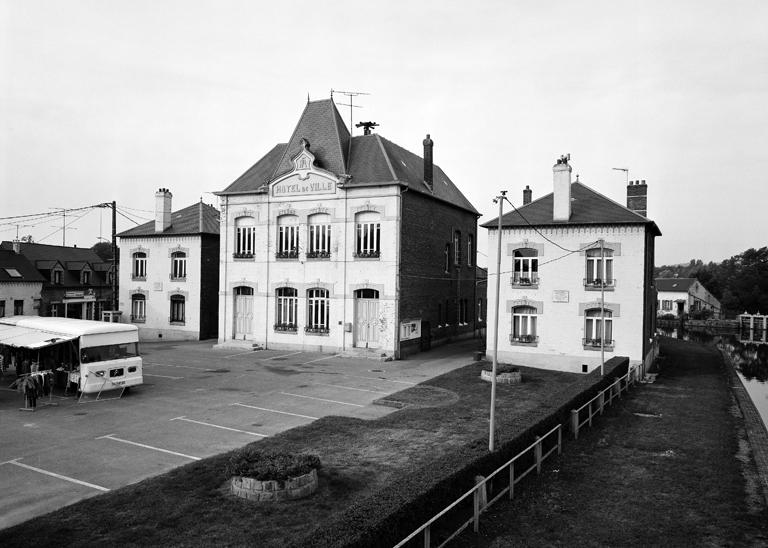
<point>560,296</point>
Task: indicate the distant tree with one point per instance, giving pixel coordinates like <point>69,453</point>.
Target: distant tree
<point>28,239</point>
<point>103,250</point>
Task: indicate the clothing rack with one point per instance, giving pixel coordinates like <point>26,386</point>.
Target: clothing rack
<point>50,402</point>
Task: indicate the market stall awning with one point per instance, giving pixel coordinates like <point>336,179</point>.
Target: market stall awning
<point>12,335</point>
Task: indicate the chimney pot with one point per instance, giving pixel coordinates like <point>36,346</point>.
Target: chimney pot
<point>561,210</point>
<point>162,209</point>
<point>527,195</point>
<point>428,164</point>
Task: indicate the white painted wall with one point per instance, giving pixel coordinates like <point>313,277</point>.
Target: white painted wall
<point>342,274</point>
<point>158,286</point>
<point>561,325</point>
<point>29,292</point>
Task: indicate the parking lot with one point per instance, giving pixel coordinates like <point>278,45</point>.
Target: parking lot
<point>195,402</point>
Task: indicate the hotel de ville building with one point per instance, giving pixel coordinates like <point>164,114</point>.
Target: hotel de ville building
<point>349,244</point>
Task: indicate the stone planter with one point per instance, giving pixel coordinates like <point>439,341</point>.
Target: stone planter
<point>514,377</point>
<point>272,490</point>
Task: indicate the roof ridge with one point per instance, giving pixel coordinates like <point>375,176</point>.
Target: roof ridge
<point>379,138</point>
<point>293,134</point>
<point>344,158</point>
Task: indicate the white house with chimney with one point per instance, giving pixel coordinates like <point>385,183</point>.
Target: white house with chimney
<point>576,277</point>
<point>343,243</point>
<point>169,272</point>
<point>683,296</point>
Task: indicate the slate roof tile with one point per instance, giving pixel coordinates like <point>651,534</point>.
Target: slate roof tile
<point>183,221</point>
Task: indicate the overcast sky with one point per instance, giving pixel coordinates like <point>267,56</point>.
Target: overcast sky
<point>109,100</point>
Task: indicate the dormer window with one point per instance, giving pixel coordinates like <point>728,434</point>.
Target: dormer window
<point>85,277</point>
<point>57,277</point>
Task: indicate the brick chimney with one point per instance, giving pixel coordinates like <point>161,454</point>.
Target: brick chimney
<point>637,197</point>
<point>527,195</point>
<point>16,246</point>
<point>428,166</point>
<point>162,209</point>
<point>561,210</point>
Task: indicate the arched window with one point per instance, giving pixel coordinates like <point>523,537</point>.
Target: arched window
<point>319,236</point>
<point>178,265</point>
<point>593,329</point>
<point>599,268</point>
<point>368,235</point>
<point>524,324</point>
<point>287,237</point>
<point>366,294</point>
<point>287,308</point>
<point>245,237</point>
<point>139,266</point>
<point>138,308</point>
<point>317,311</point>
<point>526,266</point>
<point>178,309</point>
<point>457,248</point>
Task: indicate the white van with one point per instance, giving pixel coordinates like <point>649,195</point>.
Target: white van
<point>108,353</point>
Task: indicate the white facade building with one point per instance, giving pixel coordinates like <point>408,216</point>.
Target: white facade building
<point>684,296</point>
<point>321,244</point>
<point>169,272</point>
<point>570,261</point>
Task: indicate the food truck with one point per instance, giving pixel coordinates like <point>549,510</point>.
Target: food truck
<point>97,356</point>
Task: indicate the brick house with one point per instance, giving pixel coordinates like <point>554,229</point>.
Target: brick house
<point>78,283</point>
<point>346,244</point>
<point>560,254</point>
<point>169,272</point>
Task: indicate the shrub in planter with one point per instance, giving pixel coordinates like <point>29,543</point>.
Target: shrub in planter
<point>268,465</point>
<point>501,368</point>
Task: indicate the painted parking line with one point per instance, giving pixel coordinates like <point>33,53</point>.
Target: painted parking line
<point>55,475</point>
<point>113,438</point>
<point>320,359</point>
<point>163,376</point>
<point>274,411</point>
<point>377,379</point>
<point>182,418</point>
<point>350,388</point>
<point>321,399</point>
<point>239,354</point>
<point>284,355</point>
<point>179,366</point>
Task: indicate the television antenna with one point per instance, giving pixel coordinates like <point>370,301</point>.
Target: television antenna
<point>625,170</point>
<point>351,105</point>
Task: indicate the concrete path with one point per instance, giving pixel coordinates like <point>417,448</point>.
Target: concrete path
<point>670,465</point>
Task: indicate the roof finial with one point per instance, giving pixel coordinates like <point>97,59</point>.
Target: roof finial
<point>307,97</point>
<point>577,177</point>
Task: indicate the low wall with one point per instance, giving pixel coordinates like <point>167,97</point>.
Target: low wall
<point>271,490</point>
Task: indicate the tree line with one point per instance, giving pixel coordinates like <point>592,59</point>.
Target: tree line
<point>739,283</point>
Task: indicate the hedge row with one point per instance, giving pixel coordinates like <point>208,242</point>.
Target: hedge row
<point>386,517</point>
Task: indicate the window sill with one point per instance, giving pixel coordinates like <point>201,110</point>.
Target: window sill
<point>138,278</point>
<point>521,341</point>
<point>184,279</point>
<point>290,330</point>
<point>598,288</point>
<point>525,286</point>
<point>318,255</point>
<point>317,331</point>
<point>243,257</point>
<point>174,322</point>
<point>138,320</point>
<point>597,348</point>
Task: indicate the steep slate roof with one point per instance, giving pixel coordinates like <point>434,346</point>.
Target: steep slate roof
<point>198,218</point>
<point>588,207</point>
<point>674,284</point>
<point>11,260</point>
<point>367,159</point>
<point>45,257</point>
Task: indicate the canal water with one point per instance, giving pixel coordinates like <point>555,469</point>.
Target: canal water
<point>749,360</point>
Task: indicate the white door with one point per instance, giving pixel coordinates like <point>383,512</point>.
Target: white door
<point>366,316</point>
<point>243,312</point>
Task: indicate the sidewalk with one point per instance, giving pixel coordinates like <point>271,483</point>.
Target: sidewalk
<point>670,465</point>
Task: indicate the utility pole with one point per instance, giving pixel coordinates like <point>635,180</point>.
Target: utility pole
<point>63,224</point>
<point>492,428</point>
<point>115,300</point>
